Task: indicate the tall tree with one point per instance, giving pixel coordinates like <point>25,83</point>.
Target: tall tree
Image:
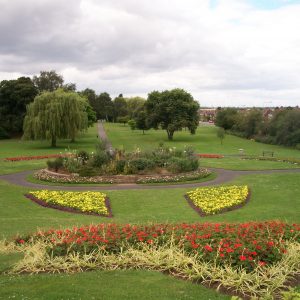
<point>226,118</point>
<point>48,81</point>
<point>14,96</point>
<point>105,107</point>
<point>54,115</point>
<point>120,107</point>
<point>172,110</point>
<point>141,122</point>
<point>134,106</point>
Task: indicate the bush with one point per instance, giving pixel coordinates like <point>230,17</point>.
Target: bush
<point>87,171</point>
<point>55,164</point>
<point>179,165</point>
<point>120,164</point>
<point>99,159</point>
<point>141,164</point>
<point>72,164</point>
<point>83,156</point>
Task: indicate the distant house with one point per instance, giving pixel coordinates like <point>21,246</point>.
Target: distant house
<point>207,114</point>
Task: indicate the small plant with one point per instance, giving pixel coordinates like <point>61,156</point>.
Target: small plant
<point>55,164</point>
<point>83,156</point>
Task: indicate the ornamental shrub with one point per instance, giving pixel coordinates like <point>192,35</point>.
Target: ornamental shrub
<point>87,171</point>
<point>55,164</point>
<point>83,156</point>
<point>141,164</point>
<point>99,159</point>
<point>178,165</point>
<point>120,164</point>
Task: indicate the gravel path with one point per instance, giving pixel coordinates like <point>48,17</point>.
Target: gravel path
<point>223,176</point>
<point>102,135</point>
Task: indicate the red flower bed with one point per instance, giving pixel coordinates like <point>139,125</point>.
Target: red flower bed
<point>19,158</point>
<point>246,244</point>
<point>203,155</point>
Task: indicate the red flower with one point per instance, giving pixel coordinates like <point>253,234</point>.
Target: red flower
<point>228,250</point>
<point>21,241</point>
<point>242,257</point>
<point>262,263</point>
<point>208,248</point>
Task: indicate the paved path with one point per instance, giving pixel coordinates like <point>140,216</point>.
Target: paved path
<point>223,176</point>
<point>102,135</point>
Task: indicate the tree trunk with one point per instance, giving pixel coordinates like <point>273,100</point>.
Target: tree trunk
<point>143,131</point>
<point>53,141</point>
<point>170,135</point>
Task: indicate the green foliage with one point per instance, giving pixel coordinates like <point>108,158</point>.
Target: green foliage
<point>226,118</point>
<point>181,164</point>
<point>14,96</point>
<point>119,107</point>
<point>141,164</point>
<point>55,115</point>
<point>172,110</point>
<point>87,171</point>
<point>55,164</point>
<point>123,120</point>
<point>48,81</point>
<point>72,164</point>
<point>291,294</point>
<point>141,121</point>
<point>134,105</point>
<point>132,124</point>
<point>83,156</point>
<point>221,134</point>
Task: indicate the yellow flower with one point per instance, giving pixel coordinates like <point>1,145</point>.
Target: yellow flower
<point>214,199</point>
<point>83,201</point>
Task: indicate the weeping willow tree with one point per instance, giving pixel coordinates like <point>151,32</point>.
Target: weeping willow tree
<point>54,115</point>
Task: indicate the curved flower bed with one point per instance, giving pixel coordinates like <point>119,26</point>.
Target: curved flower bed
<point>213,200</point>
<point>20,158</point>
<point>207,155</point>
<point>84,202</point>
<point>46,175</point>
<point>246,244</point>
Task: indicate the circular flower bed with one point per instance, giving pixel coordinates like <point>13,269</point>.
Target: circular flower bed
<point>47,175</point>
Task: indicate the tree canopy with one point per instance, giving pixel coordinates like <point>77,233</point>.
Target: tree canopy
<point>172,110</point>
<point>14,96</point>
<point>54,115</point>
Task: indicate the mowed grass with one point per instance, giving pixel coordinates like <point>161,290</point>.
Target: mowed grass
<point>204,141</point>
<point>17,147</point>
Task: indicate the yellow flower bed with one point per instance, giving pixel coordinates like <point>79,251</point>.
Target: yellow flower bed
<point>83,201</point>
<point>212,200</point>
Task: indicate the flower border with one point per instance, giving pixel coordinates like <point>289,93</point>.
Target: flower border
<point>200,212</point>
<point>69,209</point>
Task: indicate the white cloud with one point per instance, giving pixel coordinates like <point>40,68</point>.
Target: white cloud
<point>232,54</point>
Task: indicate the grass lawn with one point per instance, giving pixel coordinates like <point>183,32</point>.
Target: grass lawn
<point>204,141</point>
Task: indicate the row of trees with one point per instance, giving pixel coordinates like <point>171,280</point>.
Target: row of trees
<point>16,94</point>
<point>281,126</point>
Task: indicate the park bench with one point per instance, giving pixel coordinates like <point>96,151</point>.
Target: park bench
<point>268,153</point>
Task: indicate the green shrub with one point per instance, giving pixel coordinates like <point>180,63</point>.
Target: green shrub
<point>72,164</point>
<point>141,164</point>
<point>120,164</point>
<point>179,165</point>
<point>83,156</point>
<point>55,164</point>
<point>99,159</point>
<point>87,171</point>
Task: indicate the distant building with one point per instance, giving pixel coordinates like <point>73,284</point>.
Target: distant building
<point>207,114</point>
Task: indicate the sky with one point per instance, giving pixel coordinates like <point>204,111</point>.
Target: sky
<point>224,52</point>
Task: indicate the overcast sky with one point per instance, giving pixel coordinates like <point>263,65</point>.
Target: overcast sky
<point>224,52</point>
